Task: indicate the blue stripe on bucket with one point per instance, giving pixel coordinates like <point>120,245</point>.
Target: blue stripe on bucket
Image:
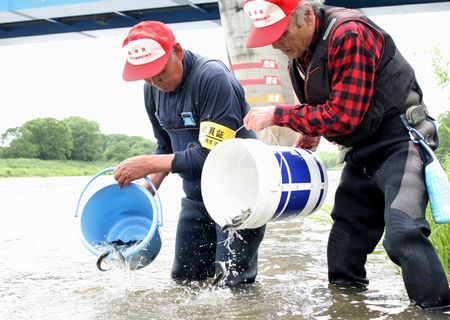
<point>295,167</point>
<point>297,202</point>
<point>322,174</point>
<point>322,179</point>
<point>319,200</point>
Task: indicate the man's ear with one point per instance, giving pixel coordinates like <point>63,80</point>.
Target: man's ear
<point>178,51</point>
<point>309,13</point>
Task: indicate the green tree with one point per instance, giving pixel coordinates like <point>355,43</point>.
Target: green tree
<point>142,146</point>
<point>86,138</point>
<point>52,137</point>
<point>111,139</point>
<point>119,146</point>
<point>20,144</point>
<point>441,70</point>
<point>329,159</point>
<point>441,67</point>
<point>443,152</point>
<point>118,151</point>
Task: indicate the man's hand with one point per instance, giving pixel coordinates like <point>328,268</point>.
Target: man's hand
<point>259,118</point>
<point>138,167</point>
<point>307,142</point>
<point>131,169</point>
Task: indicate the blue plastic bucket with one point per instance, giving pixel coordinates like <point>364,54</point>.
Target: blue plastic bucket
<point>128,217</point>
<point>246,183</point>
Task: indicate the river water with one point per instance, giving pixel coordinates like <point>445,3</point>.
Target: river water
<point>46,272</point>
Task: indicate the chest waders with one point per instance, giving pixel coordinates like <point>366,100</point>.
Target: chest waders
<point>200,245</point>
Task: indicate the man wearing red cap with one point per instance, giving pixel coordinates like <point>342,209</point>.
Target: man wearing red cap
<point>193,103</point>
<point>353,85</point>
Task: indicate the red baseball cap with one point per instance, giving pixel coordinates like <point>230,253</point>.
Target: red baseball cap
<point>147,49</point>
<point>270,19</point>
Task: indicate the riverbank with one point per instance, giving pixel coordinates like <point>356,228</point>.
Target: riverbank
<point>22,167</point>
<point>50,168</point>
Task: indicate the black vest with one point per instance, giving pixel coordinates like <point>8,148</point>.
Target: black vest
<point>394,77</point>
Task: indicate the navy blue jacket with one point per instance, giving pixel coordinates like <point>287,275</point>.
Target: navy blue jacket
<point>216,96</point>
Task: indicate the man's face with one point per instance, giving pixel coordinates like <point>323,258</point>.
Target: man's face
<point>170,77</point>
<point>295,41</point>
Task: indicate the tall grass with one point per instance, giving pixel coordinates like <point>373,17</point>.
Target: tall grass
<point>440,233</point>
<point>440,238</point>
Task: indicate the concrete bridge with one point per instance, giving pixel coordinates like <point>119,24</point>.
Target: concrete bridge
<point>22,18</point>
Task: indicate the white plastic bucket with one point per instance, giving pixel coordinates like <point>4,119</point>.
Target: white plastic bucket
<point>265,183</point>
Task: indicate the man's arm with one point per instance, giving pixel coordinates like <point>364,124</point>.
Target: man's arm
<point>354,53</point>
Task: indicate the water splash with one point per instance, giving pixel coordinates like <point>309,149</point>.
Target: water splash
<point>232,235</point>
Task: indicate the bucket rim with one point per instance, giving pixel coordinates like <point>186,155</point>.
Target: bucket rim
<point>272,189</point>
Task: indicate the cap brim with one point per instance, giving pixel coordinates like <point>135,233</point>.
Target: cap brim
<point>140,72</point>
<point>260,37</point>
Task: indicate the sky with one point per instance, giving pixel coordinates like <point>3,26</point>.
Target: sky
<point>82,77</point>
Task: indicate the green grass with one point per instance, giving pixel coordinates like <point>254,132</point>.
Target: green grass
<point>440,233</point>
<point>440,238</point>
<point>50,168</point>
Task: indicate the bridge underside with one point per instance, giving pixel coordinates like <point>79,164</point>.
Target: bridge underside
<point>22,18</point>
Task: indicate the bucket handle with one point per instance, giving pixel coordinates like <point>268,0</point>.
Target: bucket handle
<point>241,127</point>
<point>110,169</point>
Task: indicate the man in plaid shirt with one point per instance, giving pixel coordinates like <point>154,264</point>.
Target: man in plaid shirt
<point>353,85</point>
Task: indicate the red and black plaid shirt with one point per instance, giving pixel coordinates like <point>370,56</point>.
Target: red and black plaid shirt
<point>352,58</point>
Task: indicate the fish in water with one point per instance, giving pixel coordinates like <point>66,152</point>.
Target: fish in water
<point>113,247</point>
<point>238,220</point>
<point>221,273</point>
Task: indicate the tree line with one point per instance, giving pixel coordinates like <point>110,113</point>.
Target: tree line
<point>76,138</point>
<point>73,138</point>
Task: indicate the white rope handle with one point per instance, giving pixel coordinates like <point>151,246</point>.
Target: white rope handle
<point>235,133</point>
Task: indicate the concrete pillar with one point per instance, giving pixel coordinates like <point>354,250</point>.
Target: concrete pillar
<point>261,71</point>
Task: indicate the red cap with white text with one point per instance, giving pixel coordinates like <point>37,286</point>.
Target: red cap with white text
<point>147,49</point>
<point>270,19</point>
